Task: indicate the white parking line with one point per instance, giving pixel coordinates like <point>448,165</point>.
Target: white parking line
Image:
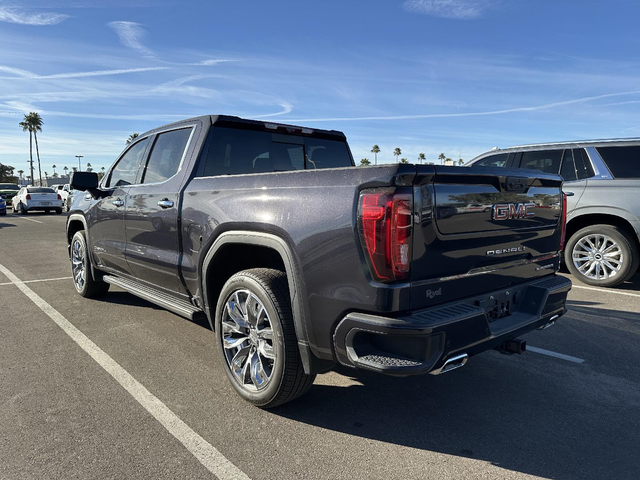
<point>204,452</point>
<point>25,218</point>
<point>542,351</point>
<point>607,290</point>
<point>41,280</point>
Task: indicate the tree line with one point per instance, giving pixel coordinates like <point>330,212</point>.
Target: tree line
<point>398,151</point>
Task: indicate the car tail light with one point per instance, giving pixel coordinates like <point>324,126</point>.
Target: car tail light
<point>28,197</point>
<point>384,223</point>
<point>59,197</point>
<point>563,220</point>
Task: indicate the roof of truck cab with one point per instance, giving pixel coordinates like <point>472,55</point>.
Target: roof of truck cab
<point>248,124</point>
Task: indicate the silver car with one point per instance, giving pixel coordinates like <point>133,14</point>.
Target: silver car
<point>602,181</point>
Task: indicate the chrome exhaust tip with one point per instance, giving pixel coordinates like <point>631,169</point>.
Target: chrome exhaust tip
<point>451,364</point>
<point>550,323</point>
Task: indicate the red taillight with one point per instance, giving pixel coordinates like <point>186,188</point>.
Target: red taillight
<point>59,197</point>
<point>563,220</point>
<point>28,197</point>
<point>384,221</point>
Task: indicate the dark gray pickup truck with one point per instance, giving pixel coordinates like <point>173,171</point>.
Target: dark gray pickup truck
<point>300,261</point>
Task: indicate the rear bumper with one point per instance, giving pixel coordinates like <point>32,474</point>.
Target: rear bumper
<point>426,340</point>
<point>54,206</point>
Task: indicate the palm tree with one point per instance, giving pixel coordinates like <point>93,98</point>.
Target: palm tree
<point>397,152</point>
<point>441,157</point>
<point>364,162</point>
<point>421,158</point>
<point>375,150</point>
<point>54,169</point>
<point>27,128</point>
<point>46,175</point>
<point>89,169</point>
<point>102,168</point>
<point>460,161</point>
<point>34,120</point>
<point>66,169</point>
<point>404,160</point>
<point>20,172</point>
<point>55,175</point>
<point>75,169</point>
<point>132,137</point>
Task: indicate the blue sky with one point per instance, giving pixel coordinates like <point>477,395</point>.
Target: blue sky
<point>452,76</point>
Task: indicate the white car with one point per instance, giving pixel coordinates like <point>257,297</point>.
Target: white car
<point>63,190</point>
<point>37,198</point>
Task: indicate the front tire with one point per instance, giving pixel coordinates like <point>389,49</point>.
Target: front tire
<point>602,255</point>
<point>83,280</point>
<point>257,340</point>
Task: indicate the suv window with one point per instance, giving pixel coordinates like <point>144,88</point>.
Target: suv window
<point>166,155</point>
<point>546,160</point>
<point>235,151</point>
<point>126,170</point>
<point>623,162</point>
<point>583,165</point>
<point>499,160</point>
<point>568,169</point>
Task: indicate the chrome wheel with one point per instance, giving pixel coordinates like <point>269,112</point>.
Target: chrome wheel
<point>597,257</point>
<point>77,264</point>
<point>248,340</point>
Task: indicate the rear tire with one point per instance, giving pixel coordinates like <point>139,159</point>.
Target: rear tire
<point>83,279</point>
<point>597,251</point>
<point>257,340</point>
<point>58,211</point>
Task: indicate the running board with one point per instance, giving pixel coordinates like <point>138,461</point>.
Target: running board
<point>153,295</point>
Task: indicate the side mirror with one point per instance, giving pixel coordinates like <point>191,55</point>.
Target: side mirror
<point>84,181</point>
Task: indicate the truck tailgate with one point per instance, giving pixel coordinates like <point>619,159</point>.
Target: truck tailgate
<point>481,229</point>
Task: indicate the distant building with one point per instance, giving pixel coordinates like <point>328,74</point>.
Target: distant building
<point>448,162</point>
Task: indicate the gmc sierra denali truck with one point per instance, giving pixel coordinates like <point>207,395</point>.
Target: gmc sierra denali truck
<point>300,260</point>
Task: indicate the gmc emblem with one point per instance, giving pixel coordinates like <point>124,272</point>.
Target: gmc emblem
<point>507,211</point>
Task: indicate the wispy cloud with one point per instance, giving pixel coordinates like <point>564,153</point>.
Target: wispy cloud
<point>13,15</point>
<point>456,9</point>
<point>545,106</point>
<point>95,73</point>
<point>131,35</point>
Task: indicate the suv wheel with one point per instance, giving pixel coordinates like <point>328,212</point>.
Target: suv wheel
<point>81,269</point>
<point>602,255</point>
<point>257,339</point>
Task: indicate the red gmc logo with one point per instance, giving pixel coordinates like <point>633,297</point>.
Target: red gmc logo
<point>507,211</point>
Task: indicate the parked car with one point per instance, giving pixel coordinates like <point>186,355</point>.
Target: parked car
<point>3,205</point>
<point>63,190</point>
<point>30,199</point>
<point>301,261</point>
<point>602,178</point>
<point>9,190</point>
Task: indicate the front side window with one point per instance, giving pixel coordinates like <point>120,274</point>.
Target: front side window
<point>623,162</point>
<point>235,151</point>
<point>546,160</point>
<point>166,155</point>
<point>499,160</point>
<point>126,170</point>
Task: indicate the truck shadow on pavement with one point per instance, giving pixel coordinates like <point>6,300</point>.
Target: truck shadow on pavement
<point>531,413</point>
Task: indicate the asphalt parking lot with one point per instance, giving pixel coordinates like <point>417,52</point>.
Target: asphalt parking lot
<point>567,409</point>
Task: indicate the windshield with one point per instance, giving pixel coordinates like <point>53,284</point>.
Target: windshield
<point>9,186</point>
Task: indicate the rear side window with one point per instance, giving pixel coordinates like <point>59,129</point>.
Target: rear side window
<point>568,170</point>
<point>499,160</point>
<point>234,151</point>
<point>166,155</point>
<point>126,170</point>
<point>584,169</point>
<point>546,160</point>
<point>623,162</point>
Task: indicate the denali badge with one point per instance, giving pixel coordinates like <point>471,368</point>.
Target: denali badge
<point>507,211</point>
<point>502,251</point>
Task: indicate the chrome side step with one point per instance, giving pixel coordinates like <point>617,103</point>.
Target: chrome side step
<point>451,364</point>
<point>164,300</point>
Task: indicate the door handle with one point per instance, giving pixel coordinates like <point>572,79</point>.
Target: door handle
<point>165,203</point>
<point>118,203</point>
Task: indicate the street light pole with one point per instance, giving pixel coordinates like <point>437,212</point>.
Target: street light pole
<point>79,166</point>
